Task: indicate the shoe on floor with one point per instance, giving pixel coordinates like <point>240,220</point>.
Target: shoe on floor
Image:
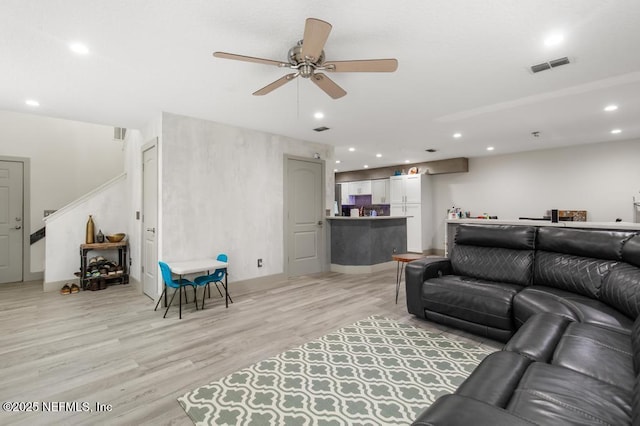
<point>65,289</point>
<point>74,288</point>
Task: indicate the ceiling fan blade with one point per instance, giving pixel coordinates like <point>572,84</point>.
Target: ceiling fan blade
<point>365,65</point>
<point>328,85</point>
<point>316,33</point>
<point>273,86</point>
<point>225,55</point>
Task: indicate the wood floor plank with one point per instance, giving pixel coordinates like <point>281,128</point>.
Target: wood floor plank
<point>111,347</point>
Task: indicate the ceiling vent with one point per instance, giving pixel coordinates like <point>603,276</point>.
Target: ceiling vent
<point>119,133</point>
<point>551,64</point>
<point>321,129</point>
<point>431,150</point>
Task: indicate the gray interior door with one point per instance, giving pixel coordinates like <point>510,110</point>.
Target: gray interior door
<point>150,222</point>
<point>11,228</point>
<point>305,217</point>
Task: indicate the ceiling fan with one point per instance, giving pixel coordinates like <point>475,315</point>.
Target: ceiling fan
<point>306,58</point>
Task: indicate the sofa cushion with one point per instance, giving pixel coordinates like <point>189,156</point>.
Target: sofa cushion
<point>631,251</point>
<point>456,410</point>
<point>504,236</point>
<point>474,300</point>
<point>493,264</point>
<point>597,244</point>
<point>621,289</point>
<point>584,346</point>
<point>577,274</point>
<point>535,299</point>
<point>553,395</point>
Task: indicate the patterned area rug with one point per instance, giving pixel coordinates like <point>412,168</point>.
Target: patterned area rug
<point>375,372</point>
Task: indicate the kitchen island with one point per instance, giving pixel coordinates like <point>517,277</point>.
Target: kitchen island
<point>366,244</point>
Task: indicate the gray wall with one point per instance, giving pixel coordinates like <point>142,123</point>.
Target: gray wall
<point>222,191</point>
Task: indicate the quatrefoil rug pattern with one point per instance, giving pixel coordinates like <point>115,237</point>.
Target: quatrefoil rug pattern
<point>374,372</point>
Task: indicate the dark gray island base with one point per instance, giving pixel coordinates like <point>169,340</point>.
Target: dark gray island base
<point>365,244</point>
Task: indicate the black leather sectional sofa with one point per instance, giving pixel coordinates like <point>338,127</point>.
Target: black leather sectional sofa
<point>565,301</point>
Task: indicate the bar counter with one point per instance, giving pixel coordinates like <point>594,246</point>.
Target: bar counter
<point>366,244</point>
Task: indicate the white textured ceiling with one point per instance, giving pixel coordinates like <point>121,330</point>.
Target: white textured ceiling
<point>463,67</point>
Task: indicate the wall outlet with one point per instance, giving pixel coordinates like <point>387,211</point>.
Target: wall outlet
<point>395,250</point>
<point>259,263</point>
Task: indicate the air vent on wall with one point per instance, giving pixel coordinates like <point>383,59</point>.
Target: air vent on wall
<point>321,129</point>
<point>551,64</point>
<point>119,133</point>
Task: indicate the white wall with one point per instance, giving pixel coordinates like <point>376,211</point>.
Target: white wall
<point>68,159</point>
<point>66,229</point>
<point>223,192</point>
<point>600,178</point>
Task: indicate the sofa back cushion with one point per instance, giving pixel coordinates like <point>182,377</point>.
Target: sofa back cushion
<point>577,274</point>
<point>598,244</point>
<point>631,251</point>
<point>498,253</point>
<point>621,289</point>
<point>577,260</point>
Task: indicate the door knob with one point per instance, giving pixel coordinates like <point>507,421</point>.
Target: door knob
<point>18,227</point>
<point>151,230</point>
<point>320,223</point>
<point>18,219</point>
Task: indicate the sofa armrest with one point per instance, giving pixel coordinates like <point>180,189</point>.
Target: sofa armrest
<point>416,273</point>
<point>456,410</point>
<point>496,378</point>
<point>538,337</point>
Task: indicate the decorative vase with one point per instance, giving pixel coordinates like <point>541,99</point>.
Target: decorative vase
<point>90,230</point>
<point>100,237</point>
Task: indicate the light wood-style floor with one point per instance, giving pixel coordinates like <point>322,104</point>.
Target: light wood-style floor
<point>110,346</point>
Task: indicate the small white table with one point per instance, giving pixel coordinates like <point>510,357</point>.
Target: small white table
<point>185,267</point>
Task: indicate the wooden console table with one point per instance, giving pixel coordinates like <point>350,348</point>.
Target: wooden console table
<point>122,278</point>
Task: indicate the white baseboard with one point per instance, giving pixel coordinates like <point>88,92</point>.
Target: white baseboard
<point>362,269</point>
<point>261,283</point>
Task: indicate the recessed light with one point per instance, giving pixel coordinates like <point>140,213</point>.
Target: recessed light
<point>610,108</point>
<point>366,166</point>
<point>337,161</point>
<point>616,131</point>
<point>490,148</point>
<point>79,48</point>
<point>335,170</point>
<point>32,102</point>
<point>407,161</point>
<point>318,115</point>
<point>554,40</point>
<point>378,155</point>
<point>457,135</point>
<point>351,149</point>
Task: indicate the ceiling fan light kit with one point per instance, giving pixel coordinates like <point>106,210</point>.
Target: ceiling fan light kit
<point>307,58</point>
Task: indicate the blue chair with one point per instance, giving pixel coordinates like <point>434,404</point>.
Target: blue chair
<point>176,284</point>
<point>216,277</point>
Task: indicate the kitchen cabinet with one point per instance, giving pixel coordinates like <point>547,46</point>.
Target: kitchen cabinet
<point>380,191</point>
<point>411,196</point>
<point>406,189</point>
<point>344,194</point>
<point>361,187</point>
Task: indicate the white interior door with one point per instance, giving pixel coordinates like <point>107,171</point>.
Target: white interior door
<point>150,222</point>
<point>305,217</point>
<point>11,228</point>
